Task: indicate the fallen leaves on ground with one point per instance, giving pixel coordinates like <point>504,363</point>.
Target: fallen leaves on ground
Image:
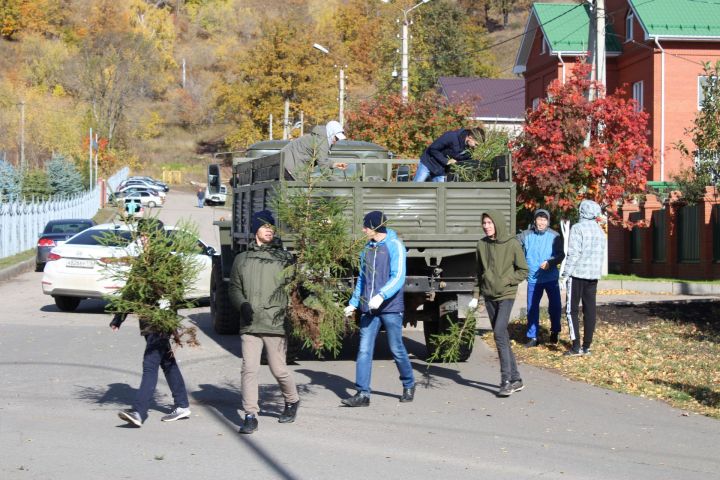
<point>667,351</point>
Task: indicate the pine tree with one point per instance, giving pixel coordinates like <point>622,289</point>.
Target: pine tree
<point>157,269</point>
<point>35,186</point>
<point>63,177</point>
<point>326,259</point>
<point>10,182</point>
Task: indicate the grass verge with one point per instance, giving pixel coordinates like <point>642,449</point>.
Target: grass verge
<point>17,258</point>
<point>667,352</point>
<point>635,278</point>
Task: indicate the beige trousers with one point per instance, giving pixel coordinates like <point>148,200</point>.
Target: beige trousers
<point>275,348</point>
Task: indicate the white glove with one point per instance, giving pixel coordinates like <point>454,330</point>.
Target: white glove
<point>164,304</point>
<point>375,302</point>
<point>349,311</point>
<point>473,304</point>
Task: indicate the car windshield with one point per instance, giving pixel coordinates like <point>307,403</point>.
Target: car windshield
<point>68,228</point>
<point>111,238</point>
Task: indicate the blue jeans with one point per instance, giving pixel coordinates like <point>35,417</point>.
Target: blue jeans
<point>423,174</point>
<point>369,328</point>
<point>534,295</point>
<point>159,354</point>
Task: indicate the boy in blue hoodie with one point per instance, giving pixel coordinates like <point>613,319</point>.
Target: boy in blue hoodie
<point>379,295</point>
<point>544,251</point>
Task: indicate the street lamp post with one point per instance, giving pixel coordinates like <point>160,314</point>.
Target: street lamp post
<point>341,99</point>
<point>404,56</point>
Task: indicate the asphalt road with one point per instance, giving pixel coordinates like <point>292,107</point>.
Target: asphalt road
<point>63,376</point>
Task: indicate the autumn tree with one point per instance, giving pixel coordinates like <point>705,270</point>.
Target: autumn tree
<point>705,134</point>
<point>9,18</point>
<point>573,148</point>
<point>405,128</point>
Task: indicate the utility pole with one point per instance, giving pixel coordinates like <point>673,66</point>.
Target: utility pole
<point>404,56</point>
<point>286,120</point>
<point>342,96</point>
<point>183,73</point>
<point>270,133</point>
<point>97,151</point>
<point>597,46</point>
<point>90,163</point>
<point>302,123</point>
<point>22,135</point>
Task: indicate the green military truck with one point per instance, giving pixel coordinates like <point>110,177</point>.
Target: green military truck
<point>439,224</point>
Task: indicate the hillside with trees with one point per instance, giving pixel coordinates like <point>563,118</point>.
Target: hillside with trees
<point>169,82</point>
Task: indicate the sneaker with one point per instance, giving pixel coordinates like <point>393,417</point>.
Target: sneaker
<point>408,395</point>
<point>554,338</point>
<point>290,412</point>
<point>573,352</point>
<point>357,400</point>
<point>176,414</point>
<point>505,389</point>
<point>516,385</point>
<point>531,343</point>
<point>131,416</point>
<point>586,351</point>
<point>250,424</point>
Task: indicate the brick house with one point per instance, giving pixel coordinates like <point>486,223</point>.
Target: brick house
<point>654,50</point>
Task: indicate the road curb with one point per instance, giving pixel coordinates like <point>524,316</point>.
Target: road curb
<point>22,267</point>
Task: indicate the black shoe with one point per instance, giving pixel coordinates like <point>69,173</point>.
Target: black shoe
<point>531,343</point>
<point>574,352</point>
<point>516,385</point>
<point>131,416</point>
<point>505,389</point>
<point>357,400</point>
<point>250,424</point>
<point>554,338</point>
<point>408,395</point>
<point>290,412</point>
<point>586,351</point>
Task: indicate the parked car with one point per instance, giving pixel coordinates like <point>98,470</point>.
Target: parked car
<point>55,233</point>
<point>143,183</point>
<point>152,180</point>
<point>123,192</point>
<point>146,199</point>
<point>216,198</point>
<point>77,269</point>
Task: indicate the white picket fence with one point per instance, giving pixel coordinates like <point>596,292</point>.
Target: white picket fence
<point>21,222</point>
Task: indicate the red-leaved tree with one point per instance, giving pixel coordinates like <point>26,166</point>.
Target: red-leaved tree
<point>554,165</point>
<point>405,128</point>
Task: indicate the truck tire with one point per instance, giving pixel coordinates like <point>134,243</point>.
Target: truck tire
<point>440,326</point>
<point>225,320</point>
<point>67,304</point>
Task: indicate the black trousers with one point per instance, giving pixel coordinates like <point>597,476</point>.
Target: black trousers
<point>581,289</point>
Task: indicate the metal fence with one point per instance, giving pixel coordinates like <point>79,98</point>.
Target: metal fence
<point>21,222</point>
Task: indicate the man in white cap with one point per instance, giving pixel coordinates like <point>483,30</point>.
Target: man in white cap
<point>314,146</point>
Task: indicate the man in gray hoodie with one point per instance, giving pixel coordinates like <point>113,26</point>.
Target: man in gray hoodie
<point>583,269</point>
<point>314,146</point>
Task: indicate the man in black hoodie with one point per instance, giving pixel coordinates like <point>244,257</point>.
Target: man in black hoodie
<point>450,148</point>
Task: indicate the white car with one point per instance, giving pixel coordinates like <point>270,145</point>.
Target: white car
<point>146,199</point>
<point>76,269</point>
<point>142,184</point>
<point>126,190</point>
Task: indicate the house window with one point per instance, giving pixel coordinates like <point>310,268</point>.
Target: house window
<point>637,95</point>
<point>535,103</point>
<point>629,21</point>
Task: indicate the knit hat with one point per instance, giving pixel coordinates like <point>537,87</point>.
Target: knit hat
<point>261,218</point>
<point>375,220</point>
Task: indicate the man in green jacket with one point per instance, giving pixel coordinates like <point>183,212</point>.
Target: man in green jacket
<point>257,291</point>
<point>501,267</point>
<point>314,146</point>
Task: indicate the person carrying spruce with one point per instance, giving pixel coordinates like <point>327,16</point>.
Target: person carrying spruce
<point>257,290</point>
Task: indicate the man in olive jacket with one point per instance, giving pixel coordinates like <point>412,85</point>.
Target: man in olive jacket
<point>501,267</point>
<point>257,291</point>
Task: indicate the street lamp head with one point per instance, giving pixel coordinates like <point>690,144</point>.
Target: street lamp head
<point>321,48</point>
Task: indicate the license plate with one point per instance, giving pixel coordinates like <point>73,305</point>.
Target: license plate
<point>80,263</point>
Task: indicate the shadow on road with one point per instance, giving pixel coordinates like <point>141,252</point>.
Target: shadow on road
<point>91,305</point>
<point>428,372</point>
<point>118,395</point>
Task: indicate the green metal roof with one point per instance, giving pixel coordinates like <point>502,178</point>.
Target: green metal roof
<point>567,27</point>
<point>678,18</point>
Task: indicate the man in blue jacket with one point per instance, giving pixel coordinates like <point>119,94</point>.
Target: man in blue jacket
<point>379,295</point>
<point>544,251</point>
<point>452,147</point>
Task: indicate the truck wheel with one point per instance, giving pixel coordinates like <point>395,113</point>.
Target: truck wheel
<point>225,321</point>
<point>441,326</point>
<point>67,304</point>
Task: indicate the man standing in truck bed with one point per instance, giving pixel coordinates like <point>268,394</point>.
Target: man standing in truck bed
<point>314,146</point>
